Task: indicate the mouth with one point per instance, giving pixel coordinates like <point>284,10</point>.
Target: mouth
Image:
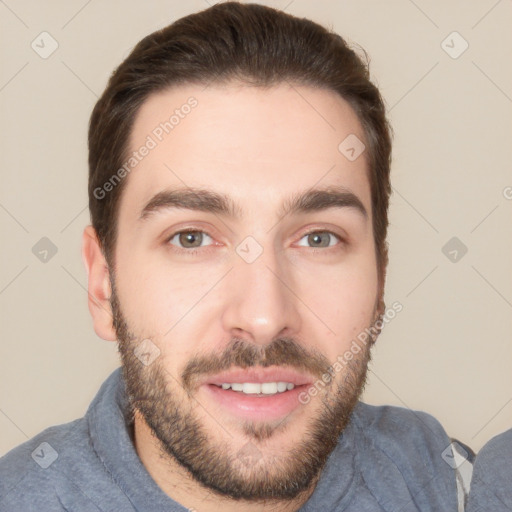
<point>257,394</point>
<point>259,389</point>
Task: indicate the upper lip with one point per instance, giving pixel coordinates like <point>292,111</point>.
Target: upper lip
<point>259,375</point>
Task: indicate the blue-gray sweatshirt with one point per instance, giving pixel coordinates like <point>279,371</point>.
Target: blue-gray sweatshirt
<point>491,485</point>
<point>387,459</point>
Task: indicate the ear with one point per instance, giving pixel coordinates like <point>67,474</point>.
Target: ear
<point>99,289</point>
<point>379,307</point>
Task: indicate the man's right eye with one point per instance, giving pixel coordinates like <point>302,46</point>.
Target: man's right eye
<point>188,239</point>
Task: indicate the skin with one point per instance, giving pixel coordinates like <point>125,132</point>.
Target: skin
<point>258,146</point>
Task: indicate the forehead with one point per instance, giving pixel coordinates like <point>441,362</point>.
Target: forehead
<point>254,144</point>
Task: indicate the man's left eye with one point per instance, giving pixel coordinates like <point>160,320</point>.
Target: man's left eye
<point>321,239</point>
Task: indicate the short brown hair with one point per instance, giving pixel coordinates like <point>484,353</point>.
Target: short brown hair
<point>252,43</point>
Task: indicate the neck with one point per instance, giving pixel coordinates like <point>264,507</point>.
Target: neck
<point>183,488</point>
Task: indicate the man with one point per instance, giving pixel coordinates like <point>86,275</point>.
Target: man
<point>491,484</point>
<point>239,185</point>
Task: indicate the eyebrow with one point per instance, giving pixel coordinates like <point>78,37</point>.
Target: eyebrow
<point>204,200</point>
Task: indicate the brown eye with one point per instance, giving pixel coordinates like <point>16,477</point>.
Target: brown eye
<point>189,239</point>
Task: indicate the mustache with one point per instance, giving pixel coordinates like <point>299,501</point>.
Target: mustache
<point>242,354</point>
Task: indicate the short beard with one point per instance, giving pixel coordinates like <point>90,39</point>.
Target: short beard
<point>248,474</point>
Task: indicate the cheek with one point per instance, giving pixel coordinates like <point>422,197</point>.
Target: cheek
<point>343,298</point>
<point>153,296</point>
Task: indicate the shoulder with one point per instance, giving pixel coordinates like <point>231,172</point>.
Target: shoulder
<point>497,452</point>
<point>413,441</point>
<point>60,465</point>
<point>33,465</point>
<point>492,475</point>
<point>389,426</point>
<point>405,452</point>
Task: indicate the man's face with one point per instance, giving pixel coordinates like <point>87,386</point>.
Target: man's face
<point>249,296</point>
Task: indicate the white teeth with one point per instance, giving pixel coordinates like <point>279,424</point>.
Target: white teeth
<point>269,388</point>
<point>251,388</point>
<point>281,386</point>
<point>255,388</point>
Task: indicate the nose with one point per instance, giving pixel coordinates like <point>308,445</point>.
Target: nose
<point>261,303</point>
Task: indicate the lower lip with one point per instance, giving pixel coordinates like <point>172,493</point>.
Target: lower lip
<point>256,407</point>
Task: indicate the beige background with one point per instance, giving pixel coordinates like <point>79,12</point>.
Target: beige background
<point>448,352</point>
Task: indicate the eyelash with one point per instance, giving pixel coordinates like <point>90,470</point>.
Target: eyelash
<point>195,250</point>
